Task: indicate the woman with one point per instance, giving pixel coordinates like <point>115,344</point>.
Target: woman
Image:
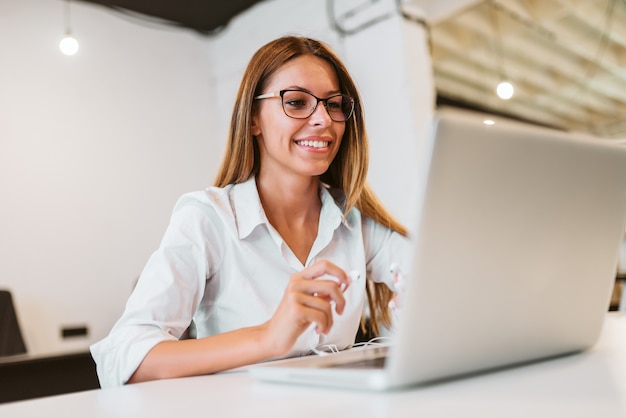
<point>272,261</point>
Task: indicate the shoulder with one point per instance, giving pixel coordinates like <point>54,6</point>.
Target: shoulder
<point>210,197</point>
<point>202,210</point>
<point>232,209</point>
<point>377,235</point>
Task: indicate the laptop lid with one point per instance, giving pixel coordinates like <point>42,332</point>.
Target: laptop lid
<point>515,249</point>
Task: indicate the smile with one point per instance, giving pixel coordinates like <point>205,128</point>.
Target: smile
<point>314,144</point>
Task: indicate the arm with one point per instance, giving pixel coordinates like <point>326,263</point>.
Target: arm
<point>170,359</point>
<point>305,301</point>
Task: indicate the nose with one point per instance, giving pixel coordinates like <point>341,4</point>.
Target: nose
<point>320,115</point>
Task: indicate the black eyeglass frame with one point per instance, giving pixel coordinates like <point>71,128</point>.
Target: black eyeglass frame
<point>281,93</point>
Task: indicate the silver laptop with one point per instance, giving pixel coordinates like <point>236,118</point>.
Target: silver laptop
<point>515,251</point>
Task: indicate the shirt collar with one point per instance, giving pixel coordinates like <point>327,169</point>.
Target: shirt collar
<point>247,207</point>
<point>331,213</point>
<point>249,211</point>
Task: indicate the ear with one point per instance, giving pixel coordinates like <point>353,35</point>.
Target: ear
<point>255,128</point>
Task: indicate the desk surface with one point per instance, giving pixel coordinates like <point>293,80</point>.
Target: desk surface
<point>589,384</point>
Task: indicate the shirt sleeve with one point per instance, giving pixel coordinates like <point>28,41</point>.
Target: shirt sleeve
<point>167,293</point>
<point>386,253</point>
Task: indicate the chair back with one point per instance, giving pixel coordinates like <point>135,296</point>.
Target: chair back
<point>11,341</point>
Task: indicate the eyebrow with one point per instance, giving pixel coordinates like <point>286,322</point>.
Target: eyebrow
<point>295,87</point>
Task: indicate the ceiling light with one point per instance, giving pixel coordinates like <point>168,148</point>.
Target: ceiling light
<point>505,90</point>
<point>69,44</point>
<point>489,122</point>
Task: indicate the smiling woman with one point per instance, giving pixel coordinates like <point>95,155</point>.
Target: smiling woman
<point>247,261</point>
<point>305,143</point>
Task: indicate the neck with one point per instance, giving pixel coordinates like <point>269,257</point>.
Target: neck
<point>294,200</point>
<point>293,208</point>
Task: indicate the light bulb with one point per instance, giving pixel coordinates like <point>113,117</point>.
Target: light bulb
<point>69,45</point>
<point>505,90</point>
<point>489,122</point>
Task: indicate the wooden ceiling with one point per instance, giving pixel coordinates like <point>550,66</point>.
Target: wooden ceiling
<point>566,59</point>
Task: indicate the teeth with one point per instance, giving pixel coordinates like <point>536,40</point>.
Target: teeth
<point>314,144</point>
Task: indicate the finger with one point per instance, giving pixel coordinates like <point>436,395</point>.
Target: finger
<point>326,269</point>
<point>318,311</point>
<point>327,290</point>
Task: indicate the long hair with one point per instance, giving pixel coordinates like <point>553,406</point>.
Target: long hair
<point>348,170</point>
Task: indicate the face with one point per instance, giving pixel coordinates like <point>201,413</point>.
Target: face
<point>302,147</point>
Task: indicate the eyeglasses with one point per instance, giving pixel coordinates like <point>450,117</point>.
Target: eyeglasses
<point>300,104</point>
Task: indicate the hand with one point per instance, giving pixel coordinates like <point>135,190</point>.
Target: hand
<point>307,301</point>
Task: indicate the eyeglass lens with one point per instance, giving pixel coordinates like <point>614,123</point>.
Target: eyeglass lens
<point>300,105</point>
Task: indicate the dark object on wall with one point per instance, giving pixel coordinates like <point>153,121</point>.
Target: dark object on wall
<point>72,332</point>
<point>11,342</point>
<point>25,377</point>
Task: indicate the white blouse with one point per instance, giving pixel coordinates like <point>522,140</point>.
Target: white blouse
<point>222,265</point>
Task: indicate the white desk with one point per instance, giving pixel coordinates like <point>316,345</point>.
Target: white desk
<point>590,384</point>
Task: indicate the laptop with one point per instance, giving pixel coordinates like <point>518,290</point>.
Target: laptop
<point>514,254</point>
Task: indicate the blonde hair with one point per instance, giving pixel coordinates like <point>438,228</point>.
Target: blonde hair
<point>347,172</point>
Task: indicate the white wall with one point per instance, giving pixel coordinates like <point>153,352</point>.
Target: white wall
<point>94,151</point>
<point>96,148</point>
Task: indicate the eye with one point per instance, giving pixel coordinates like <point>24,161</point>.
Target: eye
<point>334,105</point>
<point>296,100</point>
<point>296,103</point>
